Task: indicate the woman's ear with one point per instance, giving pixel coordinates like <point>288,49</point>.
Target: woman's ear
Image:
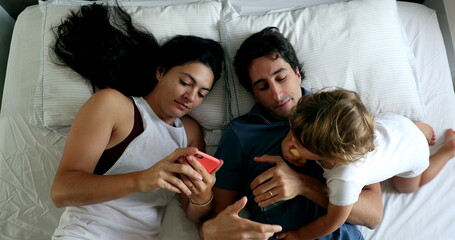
<point>160,71</point>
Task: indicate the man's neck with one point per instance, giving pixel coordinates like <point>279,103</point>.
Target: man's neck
<point>272,118</point>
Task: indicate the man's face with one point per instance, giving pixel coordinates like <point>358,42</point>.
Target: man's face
<point>276,86</point>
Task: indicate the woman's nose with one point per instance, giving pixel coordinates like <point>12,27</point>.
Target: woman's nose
<point>190,95</point>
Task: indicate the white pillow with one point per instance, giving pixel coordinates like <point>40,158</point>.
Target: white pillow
<point>254,7</point>
<point>61,92</point>
<point>358,45</point>
<point>142,3</point>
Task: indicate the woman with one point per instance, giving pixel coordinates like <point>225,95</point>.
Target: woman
<point>129,149</point>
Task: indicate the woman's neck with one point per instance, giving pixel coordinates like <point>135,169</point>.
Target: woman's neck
<point>154,103</point>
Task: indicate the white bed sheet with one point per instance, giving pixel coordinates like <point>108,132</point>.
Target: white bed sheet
<point>28,159</point>
<point>429,213</point>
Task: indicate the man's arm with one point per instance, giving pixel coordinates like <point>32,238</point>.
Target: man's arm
<point>368,210</point>
<point>322,226</point>
<point>285,183</point>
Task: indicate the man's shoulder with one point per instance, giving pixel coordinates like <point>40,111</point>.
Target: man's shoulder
<point>239,125</point>
<point>244,119</point>
<point>253,117</point>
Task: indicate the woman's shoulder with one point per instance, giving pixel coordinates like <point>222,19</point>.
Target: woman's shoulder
<point>189,122</point>
<point>193,132</point>
<point>107,101</point>
<point>109,94</point>
<point>109,97</point>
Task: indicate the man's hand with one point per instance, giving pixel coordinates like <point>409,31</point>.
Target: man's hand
<point>278,183</point>
<point>229,225</point>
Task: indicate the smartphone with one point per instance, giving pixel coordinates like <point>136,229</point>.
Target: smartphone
<point>209,162</point>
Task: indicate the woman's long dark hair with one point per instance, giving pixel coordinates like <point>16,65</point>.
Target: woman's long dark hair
<point>182,49</point>
<point>104,47</point>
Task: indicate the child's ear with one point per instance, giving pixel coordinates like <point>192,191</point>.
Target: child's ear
<point>293,139</point>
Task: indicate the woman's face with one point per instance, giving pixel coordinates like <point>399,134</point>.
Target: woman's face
<point>180,90</point>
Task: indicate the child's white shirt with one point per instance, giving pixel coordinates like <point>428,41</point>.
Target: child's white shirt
<point>401,149</point>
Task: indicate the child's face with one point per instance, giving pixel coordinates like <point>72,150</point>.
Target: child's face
<point>305,153</point>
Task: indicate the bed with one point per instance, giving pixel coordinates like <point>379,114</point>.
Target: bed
<point>406,68</point>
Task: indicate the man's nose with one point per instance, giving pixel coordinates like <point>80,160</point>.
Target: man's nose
<point>277,92</point>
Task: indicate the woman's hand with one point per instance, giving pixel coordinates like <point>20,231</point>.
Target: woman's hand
<point>166,174</point>
<point>198,204</point>
<point>201,190</point>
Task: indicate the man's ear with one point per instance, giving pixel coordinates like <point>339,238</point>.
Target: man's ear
<point>160,71</point>
<point>298,73</point>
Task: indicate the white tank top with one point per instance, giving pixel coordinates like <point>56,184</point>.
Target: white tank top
<point>137,216</point>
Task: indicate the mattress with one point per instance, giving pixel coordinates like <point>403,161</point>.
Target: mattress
<point>29,156</point>
<point>27,159</point>
<point>429,213</point>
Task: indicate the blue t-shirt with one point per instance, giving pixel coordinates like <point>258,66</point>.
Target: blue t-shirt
<point>256,134</point>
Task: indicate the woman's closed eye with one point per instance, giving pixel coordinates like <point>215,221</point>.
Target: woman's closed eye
<point>187,84</point>
<point>184,83</point>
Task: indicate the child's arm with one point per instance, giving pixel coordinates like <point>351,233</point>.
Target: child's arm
<point>336,216</point>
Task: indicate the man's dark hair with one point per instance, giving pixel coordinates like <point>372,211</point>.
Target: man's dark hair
<point>268,41</point>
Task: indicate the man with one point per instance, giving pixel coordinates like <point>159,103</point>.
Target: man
<point>280,198</point>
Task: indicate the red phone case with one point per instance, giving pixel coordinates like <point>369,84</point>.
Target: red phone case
<point>209,162</point>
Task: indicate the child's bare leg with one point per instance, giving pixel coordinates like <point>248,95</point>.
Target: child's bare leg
<point>437,162</point>
<point>428,131</point>
<point>439,159</point>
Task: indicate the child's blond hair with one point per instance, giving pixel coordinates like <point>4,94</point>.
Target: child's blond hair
<point>334,124</point>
